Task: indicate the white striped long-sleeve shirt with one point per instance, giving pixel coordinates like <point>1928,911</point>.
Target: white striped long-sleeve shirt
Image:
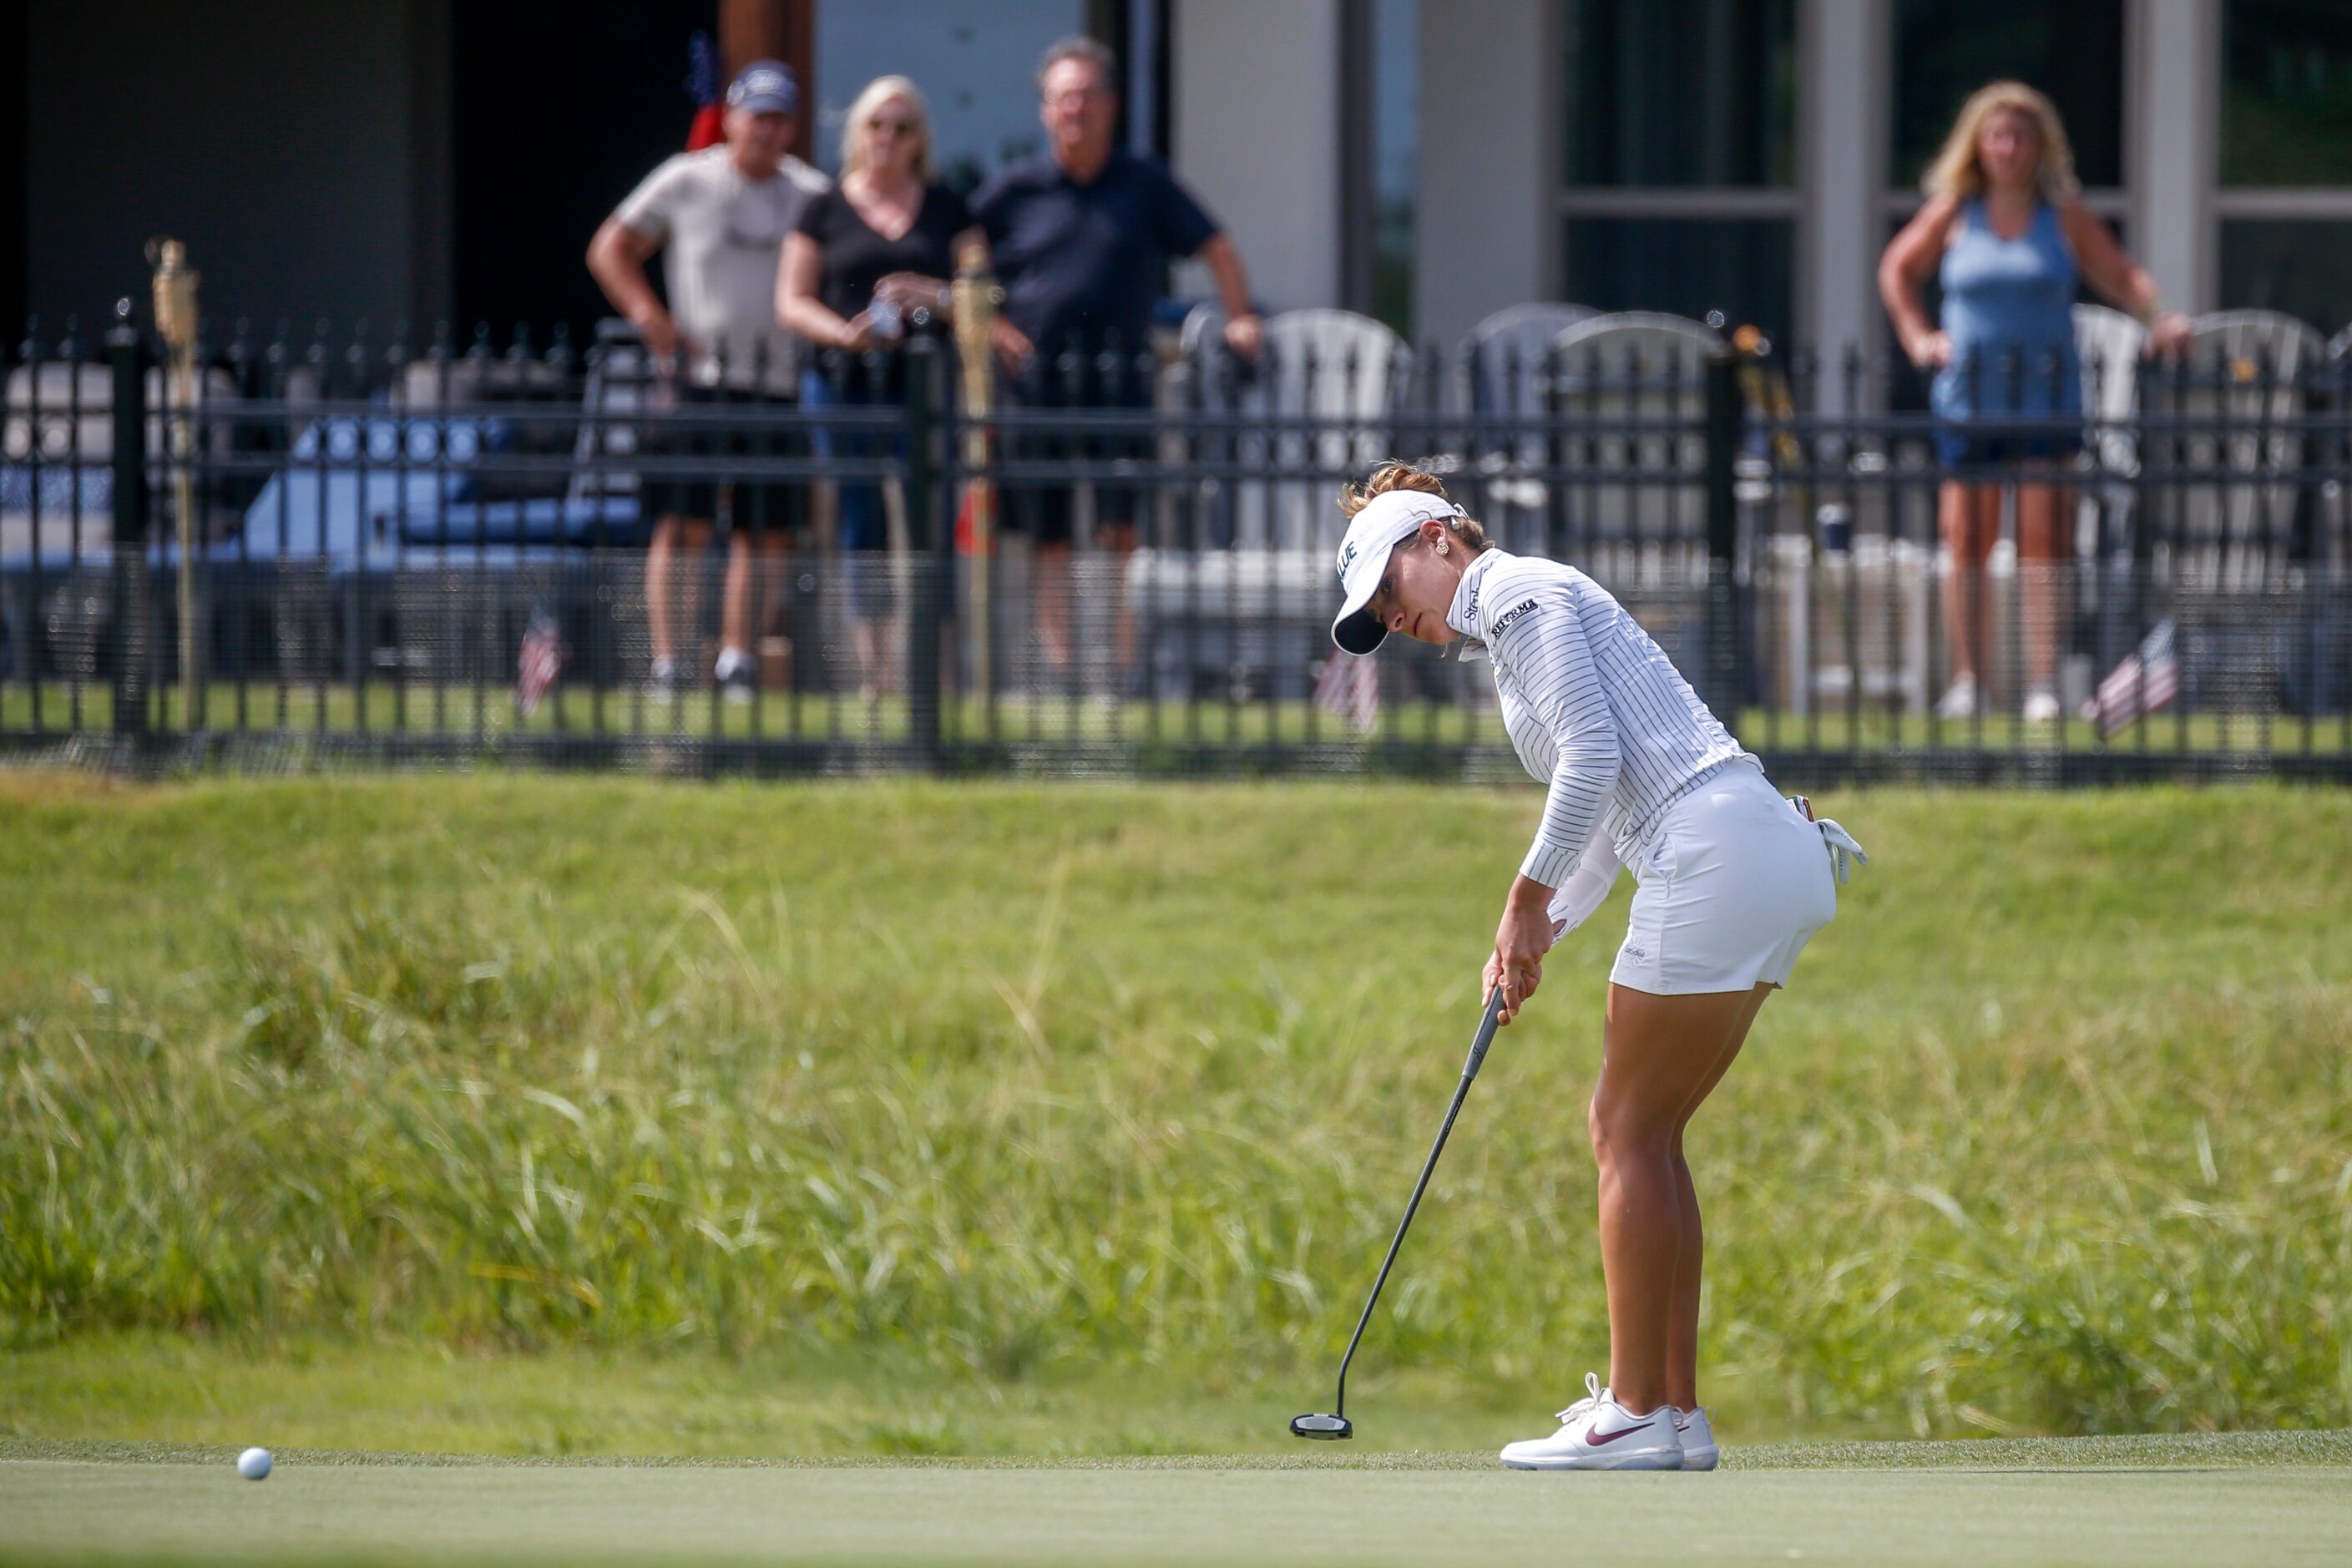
<point>1592,706</point>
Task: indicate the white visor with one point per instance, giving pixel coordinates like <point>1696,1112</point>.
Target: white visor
<point>1392,516</point>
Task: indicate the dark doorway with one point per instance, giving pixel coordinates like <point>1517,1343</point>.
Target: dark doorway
<point>561,106</point>
<point>15,47</point>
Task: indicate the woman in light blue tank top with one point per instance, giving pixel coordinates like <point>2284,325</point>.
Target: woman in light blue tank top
<point>2005,230</point>
<point>2008,315</point>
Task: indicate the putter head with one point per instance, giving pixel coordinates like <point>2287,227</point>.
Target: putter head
<point>1329,1428</point>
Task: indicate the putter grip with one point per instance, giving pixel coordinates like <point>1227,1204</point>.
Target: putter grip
<point>1485,1034</point>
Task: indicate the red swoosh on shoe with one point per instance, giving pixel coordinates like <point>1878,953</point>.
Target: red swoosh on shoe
<point>1597,1440</point>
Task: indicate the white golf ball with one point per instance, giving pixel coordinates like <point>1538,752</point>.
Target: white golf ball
<point>254,1464</point>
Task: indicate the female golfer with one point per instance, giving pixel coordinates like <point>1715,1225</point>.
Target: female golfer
<point>1732,880</point>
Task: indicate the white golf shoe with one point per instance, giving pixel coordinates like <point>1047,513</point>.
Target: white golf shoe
<point>1698,1435</point>
<point>1596,1433</point>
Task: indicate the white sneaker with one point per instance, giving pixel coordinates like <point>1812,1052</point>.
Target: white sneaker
<point>1596,1433</point>
<point>1697,1436</point>
<point>1959,700</point>
<point>733,673</point>
<point>2042,706</point>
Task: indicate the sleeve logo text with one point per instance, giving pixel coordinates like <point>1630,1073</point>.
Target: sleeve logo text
<point>1503,621</point>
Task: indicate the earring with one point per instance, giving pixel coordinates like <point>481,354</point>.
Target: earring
<point>1441,547</point>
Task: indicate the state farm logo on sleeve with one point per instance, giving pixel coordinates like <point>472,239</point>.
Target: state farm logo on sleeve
<point>1503,621</point>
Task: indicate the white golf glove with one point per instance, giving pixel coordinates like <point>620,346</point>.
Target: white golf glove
<point>1586,888</point>
<point>1845,853</point>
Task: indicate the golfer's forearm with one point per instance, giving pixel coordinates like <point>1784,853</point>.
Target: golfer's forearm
<point>1581,782</point>
<point>1527,893</point>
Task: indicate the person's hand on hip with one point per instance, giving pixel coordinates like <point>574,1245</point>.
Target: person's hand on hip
<point>1930,350</point>
<point>661,337</point>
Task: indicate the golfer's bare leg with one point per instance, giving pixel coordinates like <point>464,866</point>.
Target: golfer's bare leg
<point>1657,1053</point>
<point>1682,1339</point>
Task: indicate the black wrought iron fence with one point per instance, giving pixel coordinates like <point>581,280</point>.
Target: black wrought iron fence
<point>280,548</point>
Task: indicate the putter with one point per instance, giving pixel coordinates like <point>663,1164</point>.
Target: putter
<point>1335,1427</point>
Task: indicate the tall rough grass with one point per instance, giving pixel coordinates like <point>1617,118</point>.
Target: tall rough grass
<point>1044,1110</point>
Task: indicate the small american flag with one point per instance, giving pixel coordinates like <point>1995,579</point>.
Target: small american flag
<point>2145,681</point>
<point>543,657</point>
<point>1349,688</point>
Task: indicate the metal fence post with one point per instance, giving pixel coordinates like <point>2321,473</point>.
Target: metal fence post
<point>1723,678</point>
<point>128,611</point>
<point>934,548</point>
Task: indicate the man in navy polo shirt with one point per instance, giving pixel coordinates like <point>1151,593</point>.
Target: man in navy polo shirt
<point>1081,238</point>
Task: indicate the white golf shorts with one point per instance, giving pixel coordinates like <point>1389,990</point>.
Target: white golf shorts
<point>1732,884</point>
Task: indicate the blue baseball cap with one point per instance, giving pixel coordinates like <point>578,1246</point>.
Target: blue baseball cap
<point>764,87</point>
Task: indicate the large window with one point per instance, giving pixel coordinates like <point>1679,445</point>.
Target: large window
<point>1396,133</point>
<point>2295,266</point>
<point>2286,93</point>
<point>1682,92</point>
<point>1687,267</point>
<point>2285,204</point>
<point>1681,157</point>
<point>1945,50</point>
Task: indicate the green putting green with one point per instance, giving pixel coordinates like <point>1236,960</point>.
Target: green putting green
<point>2276,1499</point>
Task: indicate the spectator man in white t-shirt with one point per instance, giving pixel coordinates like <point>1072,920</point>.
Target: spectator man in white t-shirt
<point>722,214</point>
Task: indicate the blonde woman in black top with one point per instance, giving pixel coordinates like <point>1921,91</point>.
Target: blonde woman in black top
<point>862,256</point>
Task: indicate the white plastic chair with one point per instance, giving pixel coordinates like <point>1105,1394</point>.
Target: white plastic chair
<point>1341,374</point>
<point>1498,382</point>
<point>1203,324</point>
<point>1500,360</point>
<point>2247,372</point>
<point>2110,346</point>
<point>1644,370</point>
